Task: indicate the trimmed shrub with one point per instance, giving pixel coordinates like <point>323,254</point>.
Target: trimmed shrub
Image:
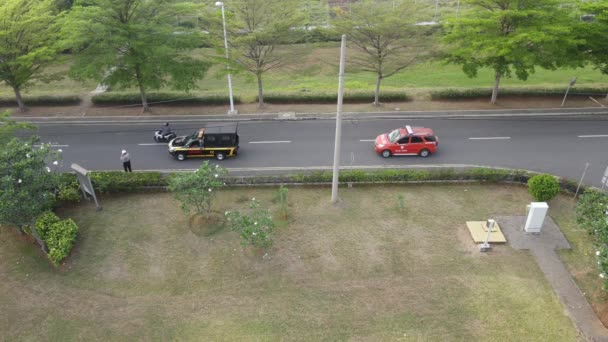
<point>69,190</point>
<point>473,93</point>
<point>166,99</point>
<point>59,236</point>
<point>543,187</point>
<point>118,181</point>
<point>42,100</point>
<point>358,97</point>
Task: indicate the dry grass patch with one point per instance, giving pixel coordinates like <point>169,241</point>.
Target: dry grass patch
<point>363,270</point>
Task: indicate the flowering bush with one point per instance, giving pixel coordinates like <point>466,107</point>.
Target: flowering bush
<point>196,190</point>
<point>255,228</point>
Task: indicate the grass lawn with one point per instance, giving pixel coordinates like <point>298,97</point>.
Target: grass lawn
<point>315,69</point>
<point>364,270</point>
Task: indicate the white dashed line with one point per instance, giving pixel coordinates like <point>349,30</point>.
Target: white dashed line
<point>594,136</point>
<point>367,140</point>
<point>270,142</point>
<point>54,145</point>
<point>490,138</point>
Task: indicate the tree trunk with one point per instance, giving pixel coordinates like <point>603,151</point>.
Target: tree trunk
<point>142,91</point>
<point>377,93</point>
<point>38,239</point>
<point>20,103</point>
<point>260,92</point>
<point>495,90</point>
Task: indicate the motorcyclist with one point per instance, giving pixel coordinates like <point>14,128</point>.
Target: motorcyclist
<point>165,130</point>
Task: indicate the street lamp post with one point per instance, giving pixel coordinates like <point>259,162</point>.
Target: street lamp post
<point>232,110</point>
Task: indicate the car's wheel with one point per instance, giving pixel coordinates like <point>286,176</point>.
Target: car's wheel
<point>386,153</point>
<point>180,157</point>
<point>220,155</point>
<point>425,153</point>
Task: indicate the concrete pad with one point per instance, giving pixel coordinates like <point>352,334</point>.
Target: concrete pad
<point>479,232</point>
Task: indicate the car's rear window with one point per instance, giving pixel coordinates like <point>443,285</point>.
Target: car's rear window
<point>430,138</point>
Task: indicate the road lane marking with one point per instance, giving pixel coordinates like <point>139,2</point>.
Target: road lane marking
<point>367,140</point>
<point>154,144</point>
<point>594,136</point>
<point>270,142</point>
<point>53,145</point>
<point>490,138</point>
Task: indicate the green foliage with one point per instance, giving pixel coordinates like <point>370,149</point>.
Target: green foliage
<point>257,28</point>
<point>42,100</point>
<point>27,183</point>
<point>167,99</point>
<point>283,199</point>
<point>543,187</point>
<point>118,181</point>
<point>384,36</point>
<point>197,190</point>
<point>358,97</point>
<point>9,127</point>
<point>511,37</point>
<point>59,236</point>
<point>401,202</point>
<point>28,36</point>
<point>256,228</point>
<point>134,44</point>
<point>594,33</point>
<point>591,214</point>
<point>69,192</point>
<point>473,93</point>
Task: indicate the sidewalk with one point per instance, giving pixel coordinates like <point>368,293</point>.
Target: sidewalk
<point>543,247</point>
<point>422,108</point>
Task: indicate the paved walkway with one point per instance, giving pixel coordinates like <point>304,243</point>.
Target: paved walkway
<point>543,247</point>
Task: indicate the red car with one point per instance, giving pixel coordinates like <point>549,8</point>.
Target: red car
<point>407,141</point>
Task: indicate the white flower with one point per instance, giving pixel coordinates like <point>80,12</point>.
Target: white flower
<point>597,253</point>
<point>253,234</point>
<point>253,199</point>
<point>216,166</point>
<point>602,275</point>
<point>27,155</point>
<point>226,213</point>
<point>255,223</point>
<point>209,189</point>
<point>48,169</point>
<point>59,150</point>
<point>19,181</point>
<point>216,175</point>
<point>55,163</point>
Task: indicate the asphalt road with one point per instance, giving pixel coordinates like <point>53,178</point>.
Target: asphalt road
<point>556,145</point>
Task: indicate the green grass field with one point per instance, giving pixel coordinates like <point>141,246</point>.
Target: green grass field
<point>315,69</point>
<point>364,270</point>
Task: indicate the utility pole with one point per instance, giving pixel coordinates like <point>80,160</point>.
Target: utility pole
<point>334,183</point>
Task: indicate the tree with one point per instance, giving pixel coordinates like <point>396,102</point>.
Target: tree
<point>134,43</point>
<point>27,182</point>
<point>594,33</point>
<point>28,37</point>
<point>255,228</point>
<point>385,36</point>
<point>511,36</point>
<point>257,28</point>
<point>197,190</point>
<point>9,127</point>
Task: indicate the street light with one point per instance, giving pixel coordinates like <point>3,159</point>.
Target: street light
<point>232,110</point>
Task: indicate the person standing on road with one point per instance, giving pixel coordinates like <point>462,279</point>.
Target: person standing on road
<point>125,158</point>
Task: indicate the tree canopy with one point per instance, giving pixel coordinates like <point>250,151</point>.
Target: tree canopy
<point>385,36</point>
<point>28,36</point>
<point>594,34</point>
<point>511,37</point>
<point>134,43</point>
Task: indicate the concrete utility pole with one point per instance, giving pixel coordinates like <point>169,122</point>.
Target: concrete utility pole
<point>232,111</point>
<point>334,184</point>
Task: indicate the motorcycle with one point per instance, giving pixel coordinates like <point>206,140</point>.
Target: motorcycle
<point>160,138</point>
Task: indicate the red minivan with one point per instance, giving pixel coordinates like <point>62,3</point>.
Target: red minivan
<point>407,141</point>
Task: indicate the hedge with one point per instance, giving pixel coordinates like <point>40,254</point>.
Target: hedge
<point>42,100</point>
<point>118,181</point>
<point>472,93</point>
<point>166,99</point>
<point>309,97</point>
